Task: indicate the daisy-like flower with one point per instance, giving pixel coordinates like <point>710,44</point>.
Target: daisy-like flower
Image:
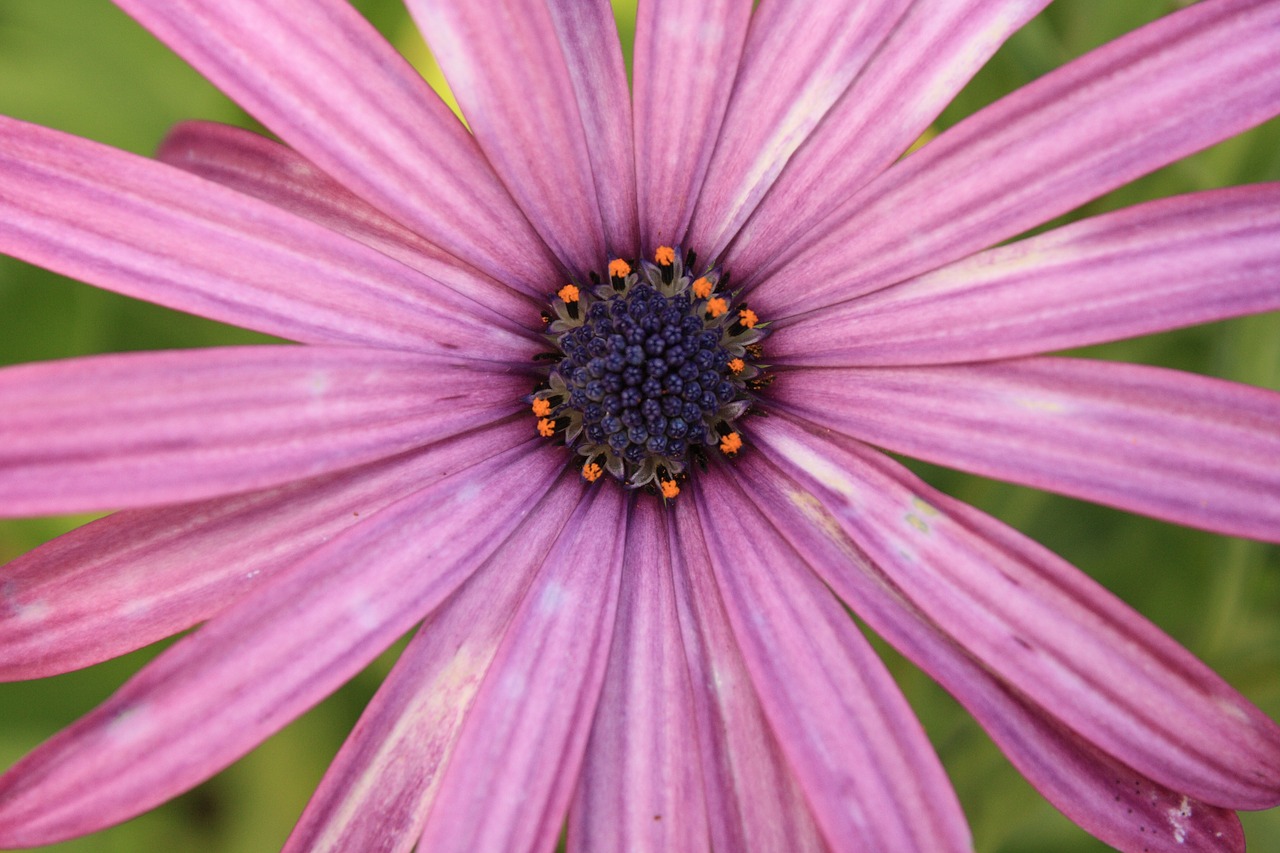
<point>592,390</point>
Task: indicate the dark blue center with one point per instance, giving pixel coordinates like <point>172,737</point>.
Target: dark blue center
<point>646,375</point>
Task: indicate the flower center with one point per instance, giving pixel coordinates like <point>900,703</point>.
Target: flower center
<point>650,369</point>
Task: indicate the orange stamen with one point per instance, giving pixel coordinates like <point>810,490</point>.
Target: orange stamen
<point>731,444</point>
<point>748,318</point>
<point>701,288</point>
<point>541,407</point>
<point>737,365</point>
<point>665,256</point>
<point>618,268</point>
<point>669,489</point>
<point>546,427</point>
<point>591,472</point>
<point>568,293</point>
<point>717,307</point>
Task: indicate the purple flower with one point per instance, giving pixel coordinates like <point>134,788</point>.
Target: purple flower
<point>670,674</point>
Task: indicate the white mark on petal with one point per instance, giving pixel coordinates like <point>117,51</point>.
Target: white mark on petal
<point>552,598</point>
<point>1178,820</point>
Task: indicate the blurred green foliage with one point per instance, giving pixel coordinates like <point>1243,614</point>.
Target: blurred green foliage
<point>84,67</point>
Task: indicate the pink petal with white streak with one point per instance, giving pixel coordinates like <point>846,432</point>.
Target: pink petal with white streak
<point>1156,266</point>
<point>150,428</point>
<point>1173,445</point>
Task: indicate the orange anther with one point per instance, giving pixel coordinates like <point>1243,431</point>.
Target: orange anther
<point>737,365</point>
<point>568,293</point>
<point>701,288</point>
<point>591,472</point>
<point>716,307</point>
<point>665,256</point>
<point>669,489</point>
<point>618,268</point>
<point>748,318</point>
<point>731,444</point>
<point>546,427</point>
<point>541,407</point>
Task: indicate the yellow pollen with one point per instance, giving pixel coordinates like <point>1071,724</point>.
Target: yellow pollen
<point>701,288</point>
<point>568,293</point>
<point>731,444</point>
<point>735,364</point>
<point>546,427</point>
<point>716,307</point>
<point>669,489</point>
<point>591,472</point>
<point>665,256</point>
<point>542,408</point>
<point>618,268</point>
<point>748,318</point>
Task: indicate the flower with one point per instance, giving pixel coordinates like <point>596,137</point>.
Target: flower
<point>666,666</point>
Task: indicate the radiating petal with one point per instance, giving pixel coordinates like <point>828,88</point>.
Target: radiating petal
<point>138,576</point>
<point>216,694</point>
<point>1042,626</point>
<point>1095,791</point>
<point>319,76</point>
<point>503,62</point>
<point>860,755</point>
<point>1157,266</point>
<point>275,173</point>
<point>686,54</point>
<point>1177,446</point>
<point>375,794</point>
<point>799,59</point>
<point>148,230</point>
<point>753,800</point>
<point>510,778</point>
<point>1191,79</point>
<point>641,781</point>
<point>588,36</point>
<point>150,428</point>
<point>932,53</point>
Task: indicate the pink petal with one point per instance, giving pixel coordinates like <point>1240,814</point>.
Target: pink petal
<point>144,429</point>
<point>588,36</point>
<point>320,77</point>
<point>686,54</point>
<point>641,781</point>
<point>511,80</point>
<point>932,53</point>
<point>1041,626</point>
<point>138,576</point>
<point>216,694</point>
<point>861,757</point>
<point>753,800</point>
<point>1191,79</point>
<point>1157,266</point>
<point>510,777</point>
<point>1104,797</point>
<point>375,794</point>
<point>799,59</point>
<point>277,174</point>
<point>1173,445</point>
<point>154,232</point>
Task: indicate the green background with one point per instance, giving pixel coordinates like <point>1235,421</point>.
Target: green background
<point>84,67</point>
